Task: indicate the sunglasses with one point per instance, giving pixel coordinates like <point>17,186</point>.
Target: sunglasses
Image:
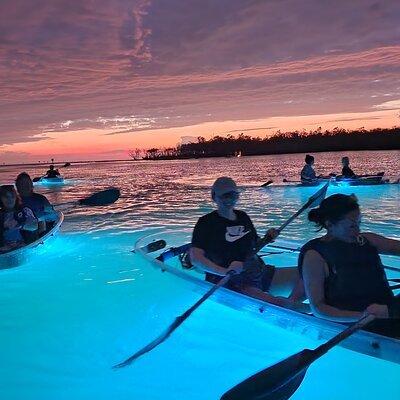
<point>229,195</point>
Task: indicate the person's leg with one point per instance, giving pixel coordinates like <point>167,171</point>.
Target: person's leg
<point>287,282</point>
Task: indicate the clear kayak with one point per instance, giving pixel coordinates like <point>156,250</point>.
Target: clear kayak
<point>336,181</point>
<point>364,342</point>
<point>17,257</point>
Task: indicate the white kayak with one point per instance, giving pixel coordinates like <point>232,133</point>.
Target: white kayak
<point>364,342</point>
<point>17,257</point>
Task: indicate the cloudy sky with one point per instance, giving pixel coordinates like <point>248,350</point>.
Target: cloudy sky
<point>90,79</point>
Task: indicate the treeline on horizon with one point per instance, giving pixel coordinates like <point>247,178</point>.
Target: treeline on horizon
<point>337,139</point>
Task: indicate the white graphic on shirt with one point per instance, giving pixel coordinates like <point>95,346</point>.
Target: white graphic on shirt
<point>234,233</point>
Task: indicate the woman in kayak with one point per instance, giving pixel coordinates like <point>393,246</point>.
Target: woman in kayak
<point>223,241</point>
<point>342,271</point>
<point>18,224</point>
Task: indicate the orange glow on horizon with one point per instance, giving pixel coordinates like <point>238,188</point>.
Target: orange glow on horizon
<point>99,144</point>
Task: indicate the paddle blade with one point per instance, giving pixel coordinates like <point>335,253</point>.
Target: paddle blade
<point>267,183</point>
<point>102,198</point>
<point>153,246</point>
<point>277,382</point>
<point>36,179</point>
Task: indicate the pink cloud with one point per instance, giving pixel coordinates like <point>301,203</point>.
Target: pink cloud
<point>130,65</point>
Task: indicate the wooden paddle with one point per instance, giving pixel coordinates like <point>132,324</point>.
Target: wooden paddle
<point>281,380</point>
<point>312,201</point>
<point>102,198</point>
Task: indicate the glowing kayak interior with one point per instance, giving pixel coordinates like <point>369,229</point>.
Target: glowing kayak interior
<point>17,257</point>
<point>378,346</point>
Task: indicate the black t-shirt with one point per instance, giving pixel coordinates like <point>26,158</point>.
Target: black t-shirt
<point>224,240</point>
<point>347,172</point>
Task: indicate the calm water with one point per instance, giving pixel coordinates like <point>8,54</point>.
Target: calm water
<point>85,301</point>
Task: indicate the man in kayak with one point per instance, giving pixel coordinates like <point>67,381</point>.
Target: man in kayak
<point>52,173</point>
<point>347,172</point>
<point>223,241</point>
<point>18,224</point>
<point>38,203</point>
<point>342,271</point>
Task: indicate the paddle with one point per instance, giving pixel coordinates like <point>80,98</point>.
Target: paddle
<point>102,198</point>
<point>267,183</point>
<point>152,247</point>
<point>313,200</point>
<point>281,380</point>
<point>297,250</point>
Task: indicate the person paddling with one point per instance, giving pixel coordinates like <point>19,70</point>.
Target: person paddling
<point>347,172</point>
<point>18,224</point>
<point>342,271</point>
<point>222,241</point>
<point>38,203</point>
<point>307,174</point>
<point>52,172</point>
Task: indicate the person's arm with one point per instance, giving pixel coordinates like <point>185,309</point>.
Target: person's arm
<point>314,274</point>
<point>31,222</point>
<point>201,262</point>
<point>383,244</point>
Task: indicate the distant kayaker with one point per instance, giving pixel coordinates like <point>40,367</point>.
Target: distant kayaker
<point>52,173</point>
<point>307,174</point>
<point>18,224</point>
<point>38,203</point>
<point>342,271</point>
<point>223,240</point>
<point>347,172</point>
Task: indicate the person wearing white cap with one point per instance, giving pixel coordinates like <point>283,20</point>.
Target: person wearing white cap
<point>222,241</point>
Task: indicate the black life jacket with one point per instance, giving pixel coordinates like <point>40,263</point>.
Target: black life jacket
<point>356,276</point>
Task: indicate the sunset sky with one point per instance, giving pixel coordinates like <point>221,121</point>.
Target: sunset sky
<point>91,79</point>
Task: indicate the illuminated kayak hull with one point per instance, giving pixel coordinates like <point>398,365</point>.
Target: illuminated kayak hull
<point>51,181</point>
<point>364,342</point>
<point>17,257</point>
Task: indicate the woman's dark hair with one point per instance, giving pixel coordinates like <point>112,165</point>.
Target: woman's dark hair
<point>333,209</point>
<point>309,159</point>
<point>9,189</point>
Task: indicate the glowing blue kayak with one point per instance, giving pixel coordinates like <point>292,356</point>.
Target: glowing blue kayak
<point>364,342</point>
<point>51,181</point>
<point>17,257</point>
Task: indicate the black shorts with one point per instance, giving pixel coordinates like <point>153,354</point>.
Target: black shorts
<point>257,274</point>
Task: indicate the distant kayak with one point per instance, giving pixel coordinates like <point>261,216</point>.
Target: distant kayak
<point>336,181</point>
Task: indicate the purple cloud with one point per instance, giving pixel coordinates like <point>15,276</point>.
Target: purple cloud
<point>129,65</point>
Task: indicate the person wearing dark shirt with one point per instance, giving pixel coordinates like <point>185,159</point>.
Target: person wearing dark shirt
<point>224,240</point>
<point>343,274</point>
<point>307,174</point>
<point>347,172</point>
<point>18,224</point>
<point>52,173</point>
<point>38,203</point>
